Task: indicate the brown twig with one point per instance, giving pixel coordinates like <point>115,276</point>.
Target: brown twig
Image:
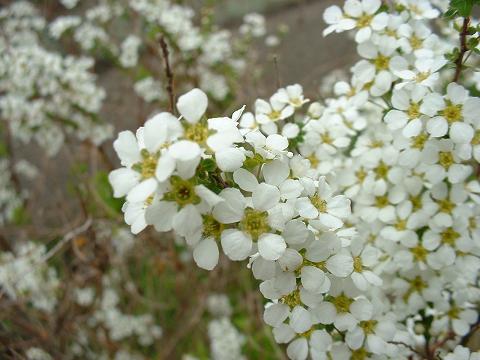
<point>277,73</point>
<point>463,49</point>
<point>168,72</point>
<point>411,348</point>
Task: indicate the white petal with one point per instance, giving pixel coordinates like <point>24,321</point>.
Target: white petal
<point>192,105</point>
<point>340,265</point>
<point>187,221</point>
<point>184,150</point>
<point>161,214</point>
<point>362,309</point>
<point>235,244</point>
<point>275,314</point>
<point>127,149</point>
<point>271,246</point>
<point>298,349</point>
<point>206,254</point>
<point>265,196</point>
<point>230,159</point>
<point>300,320</point>
<point>245,179</point>
<point>275,172</point>
<point>142,191</point>
<point>312,278</point>
<point>461,133</point>
<point>276,142</point>
<point>123,180</point>
<point>207,195</point>
<point>165,167</point>
<point>231,210</point>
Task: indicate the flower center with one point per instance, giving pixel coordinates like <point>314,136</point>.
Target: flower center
<point>452,113</point>
<point>292,299</point>
<point>255,223</point>
<point>416,202</point>
<point>319,203</point>
<point>416,285</point>
<point>445,159</point>
<point>419,253</point>
<point>197,133</point>
<point>211,227</point>
<point>401,225</point>
<point>454,313</point>
<point>368,326</point>
<point>418,142</point>
<point>359,354</point>
<point>381,170</point>
<point>357,264</point>
<point>313,161</point>
<point>476,138</point>
<point>326,138</point>
<point>182,192</point>
<point>148,165</point>
<point>342,303</point>
<point>415,42</point>
<point>274,115</point>
<point>446,206</point>
<point>413,111</point>
<point>422,76</point>
<point>381,201</point>
<point>364,21</point>
<point>449,236</point>
<point>381,62</point>
<point>361,174</point>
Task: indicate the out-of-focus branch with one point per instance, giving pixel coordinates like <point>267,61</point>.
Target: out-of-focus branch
<point>168,73</point>
<point>463,49</point>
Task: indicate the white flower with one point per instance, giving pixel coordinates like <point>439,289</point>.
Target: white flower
<point>356,14</point>
<point>324,210</point>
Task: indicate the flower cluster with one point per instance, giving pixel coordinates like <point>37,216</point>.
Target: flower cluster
<point>390,271</point>
<point>44,95</point>
<point>203,54</point>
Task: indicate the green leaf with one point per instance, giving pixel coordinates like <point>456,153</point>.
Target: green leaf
<point>463,7</point>
<point>208,165</point>
<point>105,191</point>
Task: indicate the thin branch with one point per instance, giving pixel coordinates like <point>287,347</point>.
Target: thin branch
<point>411,348</point>
<point>463,49</point>
<point>69,236</point>
<point>277,73</point>
<point>168,72</point>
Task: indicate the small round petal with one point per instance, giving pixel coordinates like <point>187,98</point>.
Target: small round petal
<point>192,105</point>
<point>245,179</point>
<point>265,196</point>
<point>206,254</point>
<point>127,149</point>
<point>123,180</point>
<point>271,246</point>
<point>230,159</point>
<point>312,279</point>
<point>275,314</point>
<point>298,349</point>
<point>461,133</point>
<point>160,215</point>
<point>184,150</point>
<point>142,191</point>
<point>362,309</point>
<point>165,167</point>
<point>300,320</point>
<point>275,172</point>
<point>235,244</point>
<point>276,142</point>
<point>340,265</point>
